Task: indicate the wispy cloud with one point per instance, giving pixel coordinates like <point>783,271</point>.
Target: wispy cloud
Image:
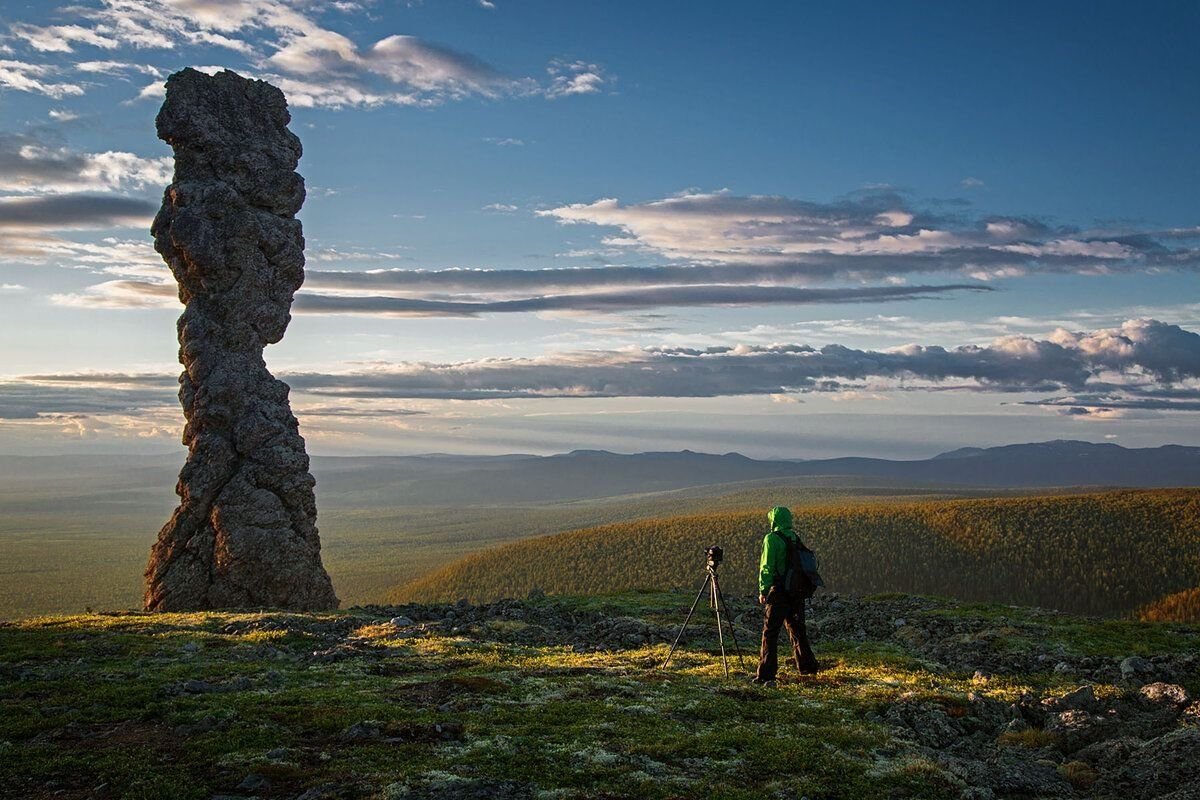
<point>281,40</point>
<point>148,294</point>
<point>35,78</point>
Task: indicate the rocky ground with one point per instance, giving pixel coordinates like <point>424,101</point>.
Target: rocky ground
<point>560,698</point>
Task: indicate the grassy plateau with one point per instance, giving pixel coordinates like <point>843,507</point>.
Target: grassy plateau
<point>561,698</point>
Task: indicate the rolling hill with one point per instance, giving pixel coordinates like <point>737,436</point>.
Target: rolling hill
<point>1103,553</point>
<point>75,530</point>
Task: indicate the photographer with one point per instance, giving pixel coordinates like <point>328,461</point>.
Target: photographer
<point>782,587</point>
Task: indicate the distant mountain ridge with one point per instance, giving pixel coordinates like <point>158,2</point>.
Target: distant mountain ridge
<point>599,473</point>
<point>441,480</point>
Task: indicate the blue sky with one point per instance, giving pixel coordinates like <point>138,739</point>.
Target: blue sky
<point>781,228</point>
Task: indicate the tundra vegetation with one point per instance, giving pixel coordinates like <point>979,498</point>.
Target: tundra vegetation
<point>559,698</point>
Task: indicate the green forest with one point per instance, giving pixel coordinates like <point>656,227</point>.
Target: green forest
<point>1109,553</point>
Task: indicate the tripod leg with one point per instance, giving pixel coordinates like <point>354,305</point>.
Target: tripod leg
<point>686,620</point>
<point>732,631</point>
<point>715,595</point>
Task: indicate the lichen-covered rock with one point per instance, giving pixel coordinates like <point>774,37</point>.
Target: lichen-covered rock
<point>244,534</point>
<point>1165,694</point>
<point>1158,767</point>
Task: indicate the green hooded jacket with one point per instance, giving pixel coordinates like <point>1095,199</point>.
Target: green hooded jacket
<point>773,563</point>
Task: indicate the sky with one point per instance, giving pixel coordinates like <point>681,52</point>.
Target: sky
<point>791,230</point>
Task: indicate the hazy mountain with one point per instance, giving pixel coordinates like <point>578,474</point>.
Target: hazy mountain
<point>437,480</point>
<point>1044,464</point>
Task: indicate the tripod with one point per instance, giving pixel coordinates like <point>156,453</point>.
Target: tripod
<point>716,600</point>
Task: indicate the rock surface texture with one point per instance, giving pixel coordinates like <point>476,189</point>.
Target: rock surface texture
<point>244,534</point>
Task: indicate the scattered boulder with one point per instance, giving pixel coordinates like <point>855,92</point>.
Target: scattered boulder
<point>1136,668</point>
<point>1165,694</point>
<point>1165,766</point>
<point>1081,699</point>
<point>1076,728</point>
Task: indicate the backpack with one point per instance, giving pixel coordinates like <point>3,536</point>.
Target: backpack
<point>800,578</point>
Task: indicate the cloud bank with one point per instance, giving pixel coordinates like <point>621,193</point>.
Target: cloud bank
<point>1141,360</point>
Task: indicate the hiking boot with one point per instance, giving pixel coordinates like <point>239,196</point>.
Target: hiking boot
<point>757,681</point>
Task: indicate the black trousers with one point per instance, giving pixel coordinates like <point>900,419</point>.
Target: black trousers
<point>784,610</point>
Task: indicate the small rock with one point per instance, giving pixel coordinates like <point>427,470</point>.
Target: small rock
<point>900,622</point>
<point>1081,699</point>
<point>1135,667</point>
<point>277,754</point>
<point>401,622</point>
<point>253,782</point>
<point>1016,726</point>
<point>362,732</point>
<point>1063,668</point>
<point>191,647</point>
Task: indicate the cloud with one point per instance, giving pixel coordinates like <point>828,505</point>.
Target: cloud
<point>1005,366</point>
<point>971,183</point>
<point>28,164</point>
<point>31,399</point>
<point>149,294</point>
<point>1009,364</point>
<point>403,60</point>
<point>282,41</point>
<point>122,294</point>
<point>62,38</point>
<point>501,208</point>
<point>73,212</point>
<point>28,226</point>
<point>871,235</point>
<point>574,77</point>
<point>505,141</point>
<point>1096,405</point>
<point>118,68</point>
<point>558,279</point>
<point>26,77</point>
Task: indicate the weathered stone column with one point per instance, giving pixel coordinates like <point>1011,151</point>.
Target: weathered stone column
<point>245,533</point>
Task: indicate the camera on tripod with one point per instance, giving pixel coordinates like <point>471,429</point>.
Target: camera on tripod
<point>713,555</point>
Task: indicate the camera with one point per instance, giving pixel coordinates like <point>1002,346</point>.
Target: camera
<point>714,555</point>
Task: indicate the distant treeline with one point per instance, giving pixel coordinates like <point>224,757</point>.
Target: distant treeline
<point>1107,553</point>
<point>1179,607</point>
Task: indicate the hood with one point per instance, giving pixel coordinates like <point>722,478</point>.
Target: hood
<point>780,518</point>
